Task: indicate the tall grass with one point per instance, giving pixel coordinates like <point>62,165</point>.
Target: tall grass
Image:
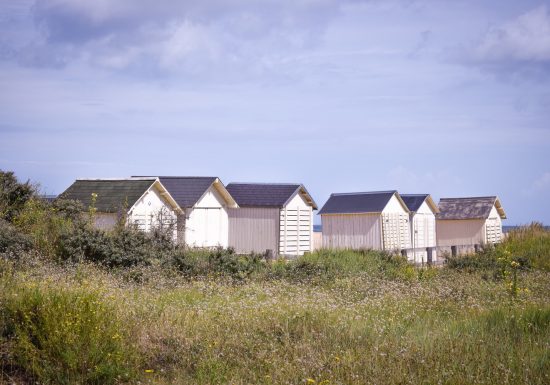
<point>58,326</point>
<point>531,242</point>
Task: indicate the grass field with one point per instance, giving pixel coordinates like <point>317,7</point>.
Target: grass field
<point>328,318</point>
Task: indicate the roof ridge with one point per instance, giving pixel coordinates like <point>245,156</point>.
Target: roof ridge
<point>266,183</point>
<point>117,179</point>
<point>464,198</point>
<point>174,177</point>
<point>365,192</point>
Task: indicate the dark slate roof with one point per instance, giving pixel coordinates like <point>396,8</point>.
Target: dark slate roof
<point>112,194</point>
<point>414,201</point>
<point>187,190</point>
<point>354,203</point>
<point>264,194</point>
<point>467,208</point>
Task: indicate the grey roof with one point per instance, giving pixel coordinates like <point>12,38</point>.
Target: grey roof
<point>468,208</point>
<point>267,194</point>
<point>187,190</point>
<point>360,202</point>
<point>112,194</point>
<point>414,201</point>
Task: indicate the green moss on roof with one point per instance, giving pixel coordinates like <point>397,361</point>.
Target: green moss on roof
<point>112,195</point>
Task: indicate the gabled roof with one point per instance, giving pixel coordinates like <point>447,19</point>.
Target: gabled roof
<point>469,208</point>
<point>414,201</point>
<point>359,202</point>
<point>268,194</point>
<point>112,194</point>
<point>188,190</point>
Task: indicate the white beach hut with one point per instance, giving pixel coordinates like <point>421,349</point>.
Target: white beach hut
<point>276,217</point>
<point>144,202</point>
<point>465,223</point>
<point>366,220</point>
<point>423,229</point>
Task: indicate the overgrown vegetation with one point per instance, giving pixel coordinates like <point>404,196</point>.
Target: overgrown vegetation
<point>84,306</point>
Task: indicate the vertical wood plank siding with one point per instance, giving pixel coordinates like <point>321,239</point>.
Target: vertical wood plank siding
<point>352,231</point>
<point>254,229</point>
<point>460,232</point>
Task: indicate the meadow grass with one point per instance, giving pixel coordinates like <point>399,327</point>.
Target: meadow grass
<point>86,325</point>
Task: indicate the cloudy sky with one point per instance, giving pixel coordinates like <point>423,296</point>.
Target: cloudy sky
<point>446,97</point>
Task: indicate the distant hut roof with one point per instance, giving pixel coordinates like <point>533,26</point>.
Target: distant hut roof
<point>188,190</point>
<point>414,201</point>
<point>268,194</point>
<point>469,208</point>
<point>359,202</point>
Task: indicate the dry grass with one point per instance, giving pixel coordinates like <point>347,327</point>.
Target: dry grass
<point>441,327</point>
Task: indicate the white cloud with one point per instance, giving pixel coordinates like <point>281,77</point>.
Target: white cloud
<point>525,39</point>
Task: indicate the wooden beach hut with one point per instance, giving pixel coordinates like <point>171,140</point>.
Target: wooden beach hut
<point>366,220</point>
<point>423,229</point>
<point>145,202</point>
<point>275,217</point>
<point>463,224</point>
<point>204,221</point>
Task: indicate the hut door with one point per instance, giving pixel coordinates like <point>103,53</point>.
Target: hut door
<point>493,230</point>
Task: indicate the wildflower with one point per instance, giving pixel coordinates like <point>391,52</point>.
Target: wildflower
<point>515,264</point>
<point>310,381</point>
<point>149,370</point>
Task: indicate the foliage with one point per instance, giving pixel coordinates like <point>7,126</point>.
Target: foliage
<point>218,261</point>
<point>13,195</point>
<point>62,335</point>
<point>44,224</point>
<point>355,328</point>
<point>12,241</point>
<point>530,243</point>
<point>124,247</point>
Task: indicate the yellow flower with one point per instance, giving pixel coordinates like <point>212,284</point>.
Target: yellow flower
<point>310,381</point>
<point>149,370</point>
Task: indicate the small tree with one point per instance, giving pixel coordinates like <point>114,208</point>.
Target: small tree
<point>13,195</point>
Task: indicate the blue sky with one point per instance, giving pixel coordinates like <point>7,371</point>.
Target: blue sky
<point>450,98</point>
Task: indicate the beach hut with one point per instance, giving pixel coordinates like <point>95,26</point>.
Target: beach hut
<point>366,220</point>
<point>465,223</point>
<point>276,217</point>
<point>423,230</point>
<point>205,201</point>
<point>144,202</point>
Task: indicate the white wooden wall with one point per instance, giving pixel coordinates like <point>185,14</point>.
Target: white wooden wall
<point>493,227</point>
<point>396,229</point>
<point>296,227</point>
<point>460,232</point>
<point>423,235</point>
<point>152,209</point>
<point>352,231</point>
<point>207,223</point>
<point>254,229</point>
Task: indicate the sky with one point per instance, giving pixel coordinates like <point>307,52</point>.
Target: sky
<point>450,98</point>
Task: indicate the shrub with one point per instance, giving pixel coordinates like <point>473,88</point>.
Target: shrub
<point>63,335</point>
<point>220,261</point>
<point>44,225</point>
<point>13,195</point>
<point>124,248</point>
<point>12,241</point>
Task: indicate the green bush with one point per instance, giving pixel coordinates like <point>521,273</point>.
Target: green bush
<point>12,241</point>
<point>123,248</point>
<point>219,261</point>
<point>329,264</point>
<point>63,335</point>
<point>44,225</point>
<point>13,195</point>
